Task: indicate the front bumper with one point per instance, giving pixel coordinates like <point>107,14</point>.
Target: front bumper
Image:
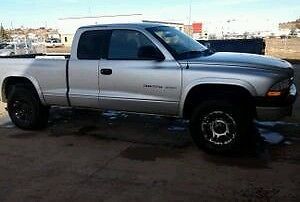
<point>274,110</point>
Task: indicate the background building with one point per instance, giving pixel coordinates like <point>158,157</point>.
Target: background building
<point>68,26</point>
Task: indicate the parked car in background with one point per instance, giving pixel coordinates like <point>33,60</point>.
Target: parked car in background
<point>2,45</point>
<point>8,50</point>
<point>52,43</point>
<point>15,49</point>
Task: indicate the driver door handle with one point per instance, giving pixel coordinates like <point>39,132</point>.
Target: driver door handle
<point>106,71</point>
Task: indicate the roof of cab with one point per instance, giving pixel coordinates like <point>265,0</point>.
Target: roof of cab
<point>142,25</point>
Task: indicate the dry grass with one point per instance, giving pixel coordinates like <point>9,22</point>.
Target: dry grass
<point>2,109</point>
<point>63,49</point>
<point>283,48</point>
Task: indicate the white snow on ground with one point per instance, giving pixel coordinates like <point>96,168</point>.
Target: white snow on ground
<point>271,137</point>
<point>274,123</point>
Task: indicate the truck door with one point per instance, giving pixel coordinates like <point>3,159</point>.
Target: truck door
<point>83,67</point>
<point>136,76</point>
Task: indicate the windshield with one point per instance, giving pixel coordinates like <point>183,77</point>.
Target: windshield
<point>179,44</point>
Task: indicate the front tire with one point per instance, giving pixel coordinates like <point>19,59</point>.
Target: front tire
<point>26,110</point>
<point>220,126</point>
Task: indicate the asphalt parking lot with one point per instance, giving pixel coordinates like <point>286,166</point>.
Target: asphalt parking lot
<point>109,156</point>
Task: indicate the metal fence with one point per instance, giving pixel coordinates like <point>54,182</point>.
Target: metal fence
<point>254,46</point>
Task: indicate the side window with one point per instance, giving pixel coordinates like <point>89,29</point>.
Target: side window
<point>93,45</point>
<point>126,45</point>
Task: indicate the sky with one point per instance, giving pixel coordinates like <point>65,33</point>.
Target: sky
<point>37,13</point>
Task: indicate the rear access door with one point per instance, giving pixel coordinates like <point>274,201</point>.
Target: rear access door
<point>84,66</point>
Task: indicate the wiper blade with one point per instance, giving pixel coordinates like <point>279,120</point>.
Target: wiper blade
<point>189,54</point>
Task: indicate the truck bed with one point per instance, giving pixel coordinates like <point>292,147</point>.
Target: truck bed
<point>47,72</point>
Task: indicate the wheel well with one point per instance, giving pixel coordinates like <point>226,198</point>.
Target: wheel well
<point>203,92</point>
<point>11,82</point>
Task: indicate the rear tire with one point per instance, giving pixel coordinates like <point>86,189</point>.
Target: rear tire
<point>220,126</point>
<point>25,109</point>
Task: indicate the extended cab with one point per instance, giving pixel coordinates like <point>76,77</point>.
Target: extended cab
<point>153,69</point>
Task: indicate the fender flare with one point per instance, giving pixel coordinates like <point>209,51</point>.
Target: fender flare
<point>214,81</point>
<point>34,82</point>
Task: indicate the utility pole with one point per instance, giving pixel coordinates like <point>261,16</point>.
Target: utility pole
<point>190,18</point>
<point>2,32</point>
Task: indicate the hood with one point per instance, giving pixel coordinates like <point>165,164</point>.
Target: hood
<point>243,60</point>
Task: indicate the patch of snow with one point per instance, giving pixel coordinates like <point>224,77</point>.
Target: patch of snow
<point>271,137</point>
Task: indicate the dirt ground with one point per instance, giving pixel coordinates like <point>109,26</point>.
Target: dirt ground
<point>63,49</point>
<point>283,48</point>
<point>93,156</point>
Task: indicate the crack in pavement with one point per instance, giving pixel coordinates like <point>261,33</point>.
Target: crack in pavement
<point>104,166</point>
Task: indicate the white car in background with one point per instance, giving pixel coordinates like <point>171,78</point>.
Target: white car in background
<point>2,45</point>
<point>8,50</point>
<point>14,49</point>
<point>52,43</point>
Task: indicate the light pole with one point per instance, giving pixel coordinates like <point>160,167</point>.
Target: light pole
<point>190,18</point>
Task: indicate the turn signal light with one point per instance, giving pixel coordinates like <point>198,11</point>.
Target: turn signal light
<point>274,93</point>
<point>279,88</point>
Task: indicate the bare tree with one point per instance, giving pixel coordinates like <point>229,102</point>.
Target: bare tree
<point>4,35</point>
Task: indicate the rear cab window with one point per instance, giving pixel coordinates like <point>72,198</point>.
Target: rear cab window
<point>126,44</point>
<point>93,45</point>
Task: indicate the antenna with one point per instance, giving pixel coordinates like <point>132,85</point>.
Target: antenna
<point>189,28</point>
<point>90,8</point>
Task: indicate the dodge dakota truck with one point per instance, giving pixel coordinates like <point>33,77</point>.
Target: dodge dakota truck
<point>152,69</point>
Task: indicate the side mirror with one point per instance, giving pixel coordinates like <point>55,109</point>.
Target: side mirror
<point>150,53</point>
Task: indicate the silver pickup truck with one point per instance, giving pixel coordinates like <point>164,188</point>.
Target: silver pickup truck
<point>152,69</point>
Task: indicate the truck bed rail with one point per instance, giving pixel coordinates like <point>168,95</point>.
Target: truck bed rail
<point>66,55</point>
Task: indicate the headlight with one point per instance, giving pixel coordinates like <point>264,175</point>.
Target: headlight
<point>279,88</point>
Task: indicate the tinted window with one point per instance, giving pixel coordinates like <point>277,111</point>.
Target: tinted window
<point>93,45</point>
<point>125,45</point>
<point>178,43</point>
